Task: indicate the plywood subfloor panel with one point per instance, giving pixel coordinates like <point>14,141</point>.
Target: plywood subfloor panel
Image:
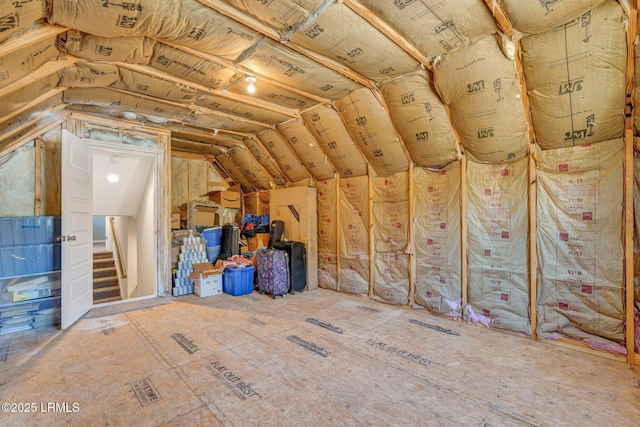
<point>316,358</point>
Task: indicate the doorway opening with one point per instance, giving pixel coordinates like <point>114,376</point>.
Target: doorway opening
<point>124,225</point>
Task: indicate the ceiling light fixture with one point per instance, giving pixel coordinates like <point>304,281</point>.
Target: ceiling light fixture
<point>113,178</point>
<point>251,80</point>
<point>130,115</point>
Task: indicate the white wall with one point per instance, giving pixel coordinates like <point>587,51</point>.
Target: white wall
<point>122,230</point>
<point>146,243</point>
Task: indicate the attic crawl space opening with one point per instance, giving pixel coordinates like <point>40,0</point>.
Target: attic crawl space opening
<point>472,158</point>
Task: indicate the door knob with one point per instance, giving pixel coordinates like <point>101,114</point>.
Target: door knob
<point>71,238</point>
<point>60,238</point>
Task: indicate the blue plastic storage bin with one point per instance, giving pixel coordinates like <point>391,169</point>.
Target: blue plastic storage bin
<point>23,260</point>
<point>29,230</point>
<point>237,280</point>
<point>212,236</point>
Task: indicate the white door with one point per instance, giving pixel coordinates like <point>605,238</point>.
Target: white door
<point>77,228</point>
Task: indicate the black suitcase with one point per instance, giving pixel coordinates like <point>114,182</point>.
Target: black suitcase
<point>229,241</point>
<point>297,264</point>
<point>275,232</point>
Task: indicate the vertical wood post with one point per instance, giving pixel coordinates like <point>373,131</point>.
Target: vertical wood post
<point>463,228</point>
<point>338,230</point>
<point>37,202</point>
<point>628,245</point>
<point>533,254</point>
<point>371,239</point>
<point>411,246</point>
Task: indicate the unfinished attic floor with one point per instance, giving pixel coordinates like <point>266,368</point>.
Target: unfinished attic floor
<point>319,358</point>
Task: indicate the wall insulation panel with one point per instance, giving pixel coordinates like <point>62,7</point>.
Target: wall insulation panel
<point>130,50</point>
<point>26,94</point>
<point>437,26</point>
<point>371,129</point>
<point>354,43</point>
<point>187,23</point>
<point>498,243</point>
<point>280,15</point>
<point>575,78</point>
<point>250,167</point>
<point>281,153</point>
<point>235,172</point>
<point>271,59</point>
<point>636,248</point>
<point>327,230</point>
<point>272,94</point>
<point>51,174</point>
<point>264,158</point>
<point>539,16</point>
<point>391,238</point>
<point>354,235</point>
<point>21,14</point>
<point>334,138</point>
<point>21,192</point>
<point>437,237</point>
<point>307,149</point>
<point>133,81</point>
<point>18,64</point>
<point>580,254</point>
<point>481,86</point>
<point>88,74</point>
<point>236,108</point>
<point>422,120</point>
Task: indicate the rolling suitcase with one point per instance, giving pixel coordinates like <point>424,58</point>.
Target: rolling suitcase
<point>273,272</point>
<point>229,241</point>
<point>297,252</point>
<point>275,232</point>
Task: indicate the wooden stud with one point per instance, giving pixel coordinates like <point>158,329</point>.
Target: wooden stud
<point>372,250</point>
<point>533,254</point>
<point>338,229</point>
<point>500,17</point>
<point>37,203</point>
<point>628,245</point>
<point>463,228</point>
<point>411,245</point>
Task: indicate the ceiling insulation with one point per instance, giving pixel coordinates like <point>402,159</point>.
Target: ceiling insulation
<point>346,87</point>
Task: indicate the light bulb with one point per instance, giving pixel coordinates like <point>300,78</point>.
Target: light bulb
<point>251,88</point>
<point>113,178</point>
<point>251,80</point>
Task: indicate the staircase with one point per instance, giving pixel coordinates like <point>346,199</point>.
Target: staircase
<point>105,278</point>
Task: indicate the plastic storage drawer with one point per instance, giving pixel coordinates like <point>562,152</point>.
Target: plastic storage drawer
<point>29,230</point>
<point>237,280</point>
<point>23,260</point>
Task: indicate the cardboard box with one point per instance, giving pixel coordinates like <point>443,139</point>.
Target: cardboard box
<point>227,199</point>
<point>202,215</point>
<point>175,221</point>
<point>207,280</point>
<point>297,207</point>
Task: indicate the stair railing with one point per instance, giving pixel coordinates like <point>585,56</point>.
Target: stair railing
<point>121,269</point>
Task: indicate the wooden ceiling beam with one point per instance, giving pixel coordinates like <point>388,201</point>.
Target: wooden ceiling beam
<point>30,38</point>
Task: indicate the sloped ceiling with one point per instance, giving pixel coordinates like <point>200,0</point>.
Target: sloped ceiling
<point>339,84</point>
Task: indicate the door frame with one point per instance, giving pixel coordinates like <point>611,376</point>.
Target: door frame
<point>158,193</point>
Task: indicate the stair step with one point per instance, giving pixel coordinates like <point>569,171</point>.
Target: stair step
<point>103,262</point>
<point>104,282</point>
<point>104,272</point>
<point>108,299</point>
<point>102,254</point>
<point>108,292</point>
